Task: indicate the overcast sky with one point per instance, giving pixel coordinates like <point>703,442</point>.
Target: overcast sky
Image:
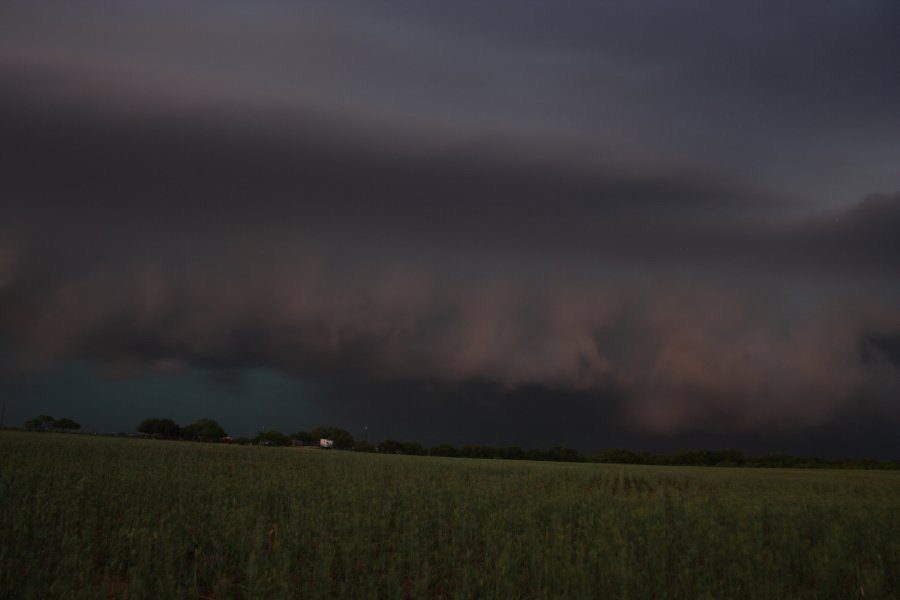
<point>641,224</point>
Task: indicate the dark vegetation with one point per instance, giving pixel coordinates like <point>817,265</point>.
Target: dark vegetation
<point>208,430</point>
<point>87,517</point>
<point>729,457</point>
<point>48,423</point>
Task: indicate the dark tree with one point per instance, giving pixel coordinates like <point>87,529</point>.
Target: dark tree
<point>728,457</point>
<point>444,450</point>
<point>205,430</point>
<point>511,453</point>
<point>413,449</point>
<point>559,453</point>
<point>364,447</point>
<point>66,424</point>
<point>619,456</point>
<point>39,423</point>
<point>391,447</point>
<point>478,451</point>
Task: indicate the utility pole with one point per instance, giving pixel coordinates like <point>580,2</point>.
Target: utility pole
<point>2,414</point>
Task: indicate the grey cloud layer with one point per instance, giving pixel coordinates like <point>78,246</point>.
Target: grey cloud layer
<point>689,352</point>
<point>803,96</point>
<point>85,184</point>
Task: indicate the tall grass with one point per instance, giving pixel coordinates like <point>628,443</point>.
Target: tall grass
<point>86,517</point>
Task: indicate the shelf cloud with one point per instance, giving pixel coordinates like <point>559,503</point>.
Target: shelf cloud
<point>691,223</point>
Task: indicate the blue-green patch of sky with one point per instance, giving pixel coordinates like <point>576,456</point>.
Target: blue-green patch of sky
<point>243,403</point>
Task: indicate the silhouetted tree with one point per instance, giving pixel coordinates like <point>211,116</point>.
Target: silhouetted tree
<point>413,449</point>
<point>390,447</point>
<point>511,453</point>
<point>728,457</point>
<point>619,456</point>
<point>66,424</point>
<point>443,450</point>
<point>560,453</point>
<point>478,452</point>
<point>364,447</point>
<point>39,423</point>
<point>205,430</point>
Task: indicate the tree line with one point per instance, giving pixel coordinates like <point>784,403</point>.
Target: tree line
<point>729,457</point>
<point>48,423</point>
<point>724,457</point>
<point>203,430</point>
<point>208,430</point>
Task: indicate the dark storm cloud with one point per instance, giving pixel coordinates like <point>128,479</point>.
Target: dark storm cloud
<point>124,177</point>
<point>686,353</point>
<point>651,211</point>
<point>801,97</point>
<point>185,189</point>
<point>481,412</point>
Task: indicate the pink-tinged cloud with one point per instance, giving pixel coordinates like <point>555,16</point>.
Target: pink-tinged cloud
<point>692,354</point>
<point>730,364</point>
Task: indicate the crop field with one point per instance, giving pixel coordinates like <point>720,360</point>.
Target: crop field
<point>94,517</point>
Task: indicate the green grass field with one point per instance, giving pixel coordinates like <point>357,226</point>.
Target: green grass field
<point>89,517</point>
